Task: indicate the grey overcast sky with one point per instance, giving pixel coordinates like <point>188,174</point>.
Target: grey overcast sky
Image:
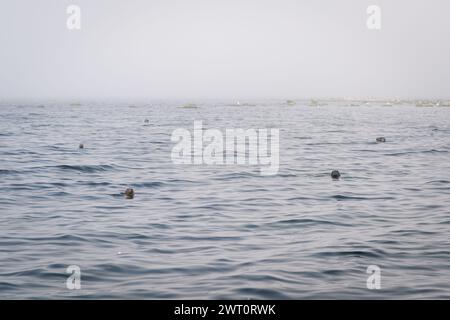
<point>179,49</point>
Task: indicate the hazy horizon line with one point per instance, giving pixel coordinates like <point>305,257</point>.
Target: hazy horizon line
<point>199,99</point>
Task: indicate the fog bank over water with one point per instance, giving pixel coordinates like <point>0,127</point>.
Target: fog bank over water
<point>231,49</point>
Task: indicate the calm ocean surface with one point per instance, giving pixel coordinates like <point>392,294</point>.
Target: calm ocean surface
<point>224,232</point>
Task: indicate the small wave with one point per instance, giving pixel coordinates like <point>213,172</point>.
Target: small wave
<point>438,182</point>
<point>19,152</point>
<point>342,197</point>
<point>7,286</point>
<point>370,253</point>
<point>306,222</point>
<point>329,143</point>
<point>152,184</point>
<point>180,181</point>
<point>64,238</point>
<point>39,273</point>
<point>85,168</point>
<point>216,238</point>
<point>260,293</point>
<point>92,184</point>
<point>287,175</point>
<point>59,194</point>
<point>58,148</point>
<point>237,175</point>
<point>412,232</point>
<point>25,187</point>
<point>395,154</point>
<point>5,172</point>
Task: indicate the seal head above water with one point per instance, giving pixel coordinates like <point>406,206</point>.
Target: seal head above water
<point>335,174</point>
<point>129,193</point>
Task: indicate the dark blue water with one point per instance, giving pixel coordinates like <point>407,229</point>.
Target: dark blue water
<point>224,231</point>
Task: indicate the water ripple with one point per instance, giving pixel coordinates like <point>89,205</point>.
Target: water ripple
<point>224,232</point>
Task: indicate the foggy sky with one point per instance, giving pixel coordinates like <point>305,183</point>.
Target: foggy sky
<point>193,49</point>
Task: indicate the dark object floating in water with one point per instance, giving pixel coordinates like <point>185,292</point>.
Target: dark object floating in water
<point>335,174</point>
<point>81,146</point>
<point>146,121</point>
<point>129,193</point>
<point>290,102</point>
<point>190,106</point>
<point>381,139</point>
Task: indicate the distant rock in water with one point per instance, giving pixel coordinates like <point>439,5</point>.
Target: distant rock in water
<point>314,103</point>
<point>425,103</point>
<point>81,146</point>
<point>290,102</point>
<point>335,174</point>
<point>129,193</point>
<point>381,139</point>
<point>190,106</point>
